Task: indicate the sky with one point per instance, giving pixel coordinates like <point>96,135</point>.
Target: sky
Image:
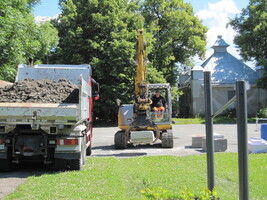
<point>215,15</point>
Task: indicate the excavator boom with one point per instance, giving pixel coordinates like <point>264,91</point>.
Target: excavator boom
<point>140,83</point>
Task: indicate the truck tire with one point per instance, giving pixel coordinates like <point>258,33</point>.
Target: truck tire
<point>167,139</point>
<point>6,165</point>
<point>120,140</point>
<point>89,150</point>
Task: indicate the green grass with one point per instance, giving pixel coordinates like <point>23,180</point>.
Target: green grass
<point>196,120</point>
<point>216,120</point>
<point>121,178</point>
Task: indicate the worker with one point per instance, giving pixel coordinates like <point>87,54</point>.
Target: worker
<point>159,103</point>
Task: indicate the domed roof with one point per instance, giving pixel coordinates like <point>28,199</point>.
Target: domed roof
<point>225,68</point>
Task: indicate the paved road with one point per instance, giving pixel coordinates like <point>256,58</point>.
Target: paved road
<point>103,146</point>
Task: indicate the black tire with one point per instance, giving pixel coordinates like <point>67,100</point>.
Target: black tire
<point>6,165</point>
<point>120,140</point>
<point>167,139</point>
<point>89,150</point>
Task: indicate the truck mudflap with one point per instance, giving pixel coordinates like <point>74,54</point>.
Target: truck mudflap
<point>75,155</point>
<point>71,154</point>
<point>3,155</point>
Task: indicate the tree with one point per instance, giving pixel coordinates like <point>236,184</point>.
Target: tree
<point>251,26</point>
<point>178,34</point>
<point>20,37</point>
<point>102,33</point>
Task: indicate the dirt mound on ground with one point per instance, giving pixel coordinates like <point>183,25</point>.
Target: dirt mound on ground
<point>40,91</point>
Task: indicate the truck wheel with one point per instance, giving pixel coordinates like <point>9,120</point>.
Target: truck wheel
<point>120,140</point>
<point>6,165</point>
<point>89,150</point>
<point>167,139</point>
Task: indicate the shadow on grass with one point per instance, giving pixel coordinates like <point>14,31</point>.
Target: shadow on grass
<point>25,170</point>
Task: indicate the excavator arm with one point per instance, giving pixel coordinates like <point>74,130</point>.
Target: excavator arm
<point>142,100</point>
<point>141,65</point>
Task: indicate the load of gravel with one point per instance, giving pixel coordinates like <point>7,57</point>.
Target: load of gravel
<point>40,91</point>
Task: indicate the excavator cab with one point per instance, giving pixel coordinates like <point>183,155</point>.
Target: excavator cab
<point>164,116</point>
<point>160,127</point>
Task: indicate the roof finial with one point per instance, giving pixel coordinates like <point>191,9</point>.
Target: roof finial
<point>220,45</point>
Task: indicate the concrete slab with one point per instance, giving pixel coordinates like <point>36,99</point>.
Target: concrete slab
<point>220,145</point>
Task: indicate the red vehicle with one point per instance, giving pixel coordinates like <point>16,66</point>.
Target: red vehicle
<point>52,133</point>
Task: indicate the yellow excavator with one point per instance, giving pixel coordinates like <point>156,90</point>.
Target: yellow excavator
<point>138,123</point>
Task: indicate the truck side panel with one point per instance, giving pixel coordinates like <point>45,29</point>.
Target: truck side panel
<point>54,72</point>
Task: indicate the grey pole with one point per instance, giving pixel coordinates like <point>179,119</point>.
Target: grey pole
<point>209,129</point>
<point>241,112</point>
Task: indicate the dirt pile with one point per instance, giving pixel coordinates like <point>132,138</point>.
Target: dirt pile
<point>40,91</point>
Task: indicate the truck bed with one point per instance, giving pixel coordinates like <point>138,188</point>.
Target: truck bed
<point>40,112</point>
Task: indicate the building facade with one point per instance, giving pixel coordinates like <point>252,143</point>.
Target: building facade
<point>225,70</point>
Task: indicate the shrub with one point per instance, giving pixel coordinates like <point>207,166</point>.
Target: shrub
<point>162,194</point>
<point>229,113</point>
<point>262,113</point>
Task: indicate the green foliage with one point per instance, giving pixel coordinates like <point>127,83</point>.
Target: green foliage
<point>155,76</point>
<point>262,113</point>
<point>178,34</point>
<point>20,37</point>
<point>176,93</point>
<point>157,193</point>
<point>102,33</point>
<point>251,26</point>
<point>229,113</point>
<point>196,120</point>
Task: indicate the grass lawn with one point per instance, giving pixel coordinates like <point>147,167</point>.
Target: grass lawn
<point>216,120</point>
<point>123,178</point>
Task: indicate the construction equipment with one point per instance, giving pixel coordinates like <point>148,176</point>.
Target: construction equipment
<point>51,133</point>
<point>139,124</point>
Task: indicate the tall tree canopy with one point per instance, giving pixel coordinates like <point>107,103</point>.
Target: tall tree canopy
<point>20,37</point>
<point>251,26</point>
<point>178,34</point>
<point>102,33</point>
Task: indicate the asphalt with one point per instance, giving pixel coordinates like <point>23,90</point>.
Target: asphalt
<point>103,141</point>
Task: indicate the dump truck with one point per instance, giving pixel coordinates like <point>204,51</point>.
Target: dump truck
<point>55,133</point>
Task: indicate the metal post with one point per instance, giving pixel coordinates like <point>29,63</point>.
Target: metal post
<point>242,140</point>
<point>209,130</point>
